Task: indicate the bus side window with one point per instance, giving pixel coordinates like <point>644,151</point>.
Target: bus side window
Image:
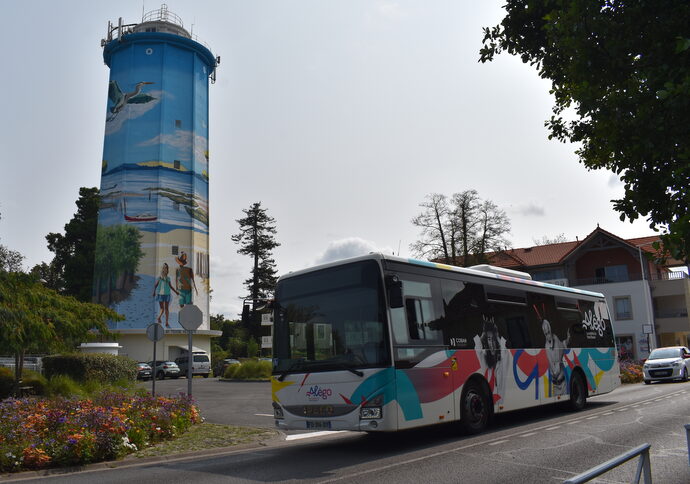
<point>413,310</point>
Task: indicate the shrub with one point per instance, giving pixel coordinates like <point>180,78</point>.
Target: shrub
<point>631,372</point>
<point>97,367</point>
<point>36,381</point>
<point>250,370</point>
<point>63,386</point>
<point>6,382</point>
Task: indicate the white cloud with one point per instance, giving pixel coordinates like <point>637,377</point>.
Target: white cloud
<point>349,247</point>
<point>531,210</point>
<point>182,141</point>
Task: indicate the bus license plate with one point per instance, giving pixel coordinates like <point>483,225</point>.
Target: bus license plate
<point>319,424</point>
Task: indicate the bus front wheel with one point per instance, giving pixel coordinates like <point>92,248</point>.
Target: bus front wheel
<point>474,408</point>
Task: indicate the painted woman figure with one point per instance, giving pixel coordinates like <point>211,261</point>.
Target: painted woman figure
<point>161,291</point>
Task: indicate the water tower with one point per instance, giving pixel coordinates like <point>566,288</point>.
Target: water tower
<point>154,181</point>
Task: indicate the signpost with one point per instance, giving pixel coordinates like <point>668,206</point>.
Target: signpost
<point>155,333</point>
<point>190,319</point>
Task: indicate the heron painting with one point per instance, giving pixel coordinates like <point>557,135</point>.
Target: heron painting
<point>121,99</point>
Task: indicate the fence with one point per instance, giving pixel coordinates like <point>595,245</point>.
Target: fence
<point>644,466</point>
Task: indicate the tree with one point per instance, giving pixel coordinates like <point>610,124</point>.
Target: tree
<point>116,262</point>
<point>10,260</point>
<point>628,92</point>
<point>545,240</point>
<point>256,239</point>
<point>460,230</point>
<point>75,250</point>
<point>37,319</point>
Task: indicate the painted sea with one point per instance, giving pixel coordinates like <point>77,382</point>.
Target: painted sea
<point>154,198</point>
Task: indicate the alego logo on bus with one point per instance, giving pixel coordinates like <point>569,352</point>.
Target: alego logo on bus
<point>316,392</point>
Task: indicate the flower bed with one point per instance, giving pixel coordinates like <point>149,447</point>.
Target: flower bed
<point>38,433</point>
<point>631,371</point>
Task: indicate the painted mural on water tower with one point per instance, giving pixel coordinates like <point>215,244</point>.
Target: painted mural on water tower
<point>152,248</point>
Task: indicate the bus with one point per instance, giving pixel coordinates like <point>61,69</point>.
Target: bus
<point>380,343</point>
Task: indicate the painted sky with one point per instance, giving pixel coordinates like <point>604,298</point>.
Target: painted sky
<point>339,116</point>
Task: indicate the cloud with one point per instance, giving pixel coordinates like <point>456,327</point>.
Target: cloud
<point>531,210</point>
<point>349,247</point>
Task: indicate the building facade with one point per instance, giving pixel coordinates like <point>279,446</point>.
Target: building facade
<point>152,250</point>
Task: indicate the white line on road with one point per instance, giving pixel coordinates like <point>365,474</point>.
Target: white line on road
<point>313,434</point>
<point>499,442</point>
<point>263,414</point>
<point>528,435</point>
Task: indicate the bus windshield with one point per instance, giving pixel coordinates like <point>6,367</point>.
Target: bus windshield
<point>331,319</point>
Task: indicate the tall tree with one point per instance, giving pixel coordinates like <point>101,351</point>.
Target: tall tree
<point>460,230</point>
<point>623,69</point>
<point>74,251</point>
<point>257,239</point>
<point>10,260</point>
<point>35,318</point>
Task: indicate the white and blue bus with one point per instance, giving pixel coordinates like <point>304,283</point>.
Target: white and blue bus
<point>381,343</point>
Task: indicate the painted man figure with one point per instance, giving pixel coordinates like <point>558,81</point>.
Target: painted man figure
<point>184,280</point>
<point>555,351</point>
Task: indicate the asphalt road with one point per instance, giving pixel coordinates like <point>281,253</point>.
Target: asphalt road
<point>546,445</point>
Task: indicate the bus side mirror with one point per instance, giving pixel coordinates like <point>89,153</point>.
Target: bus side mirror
<point>395,291</point>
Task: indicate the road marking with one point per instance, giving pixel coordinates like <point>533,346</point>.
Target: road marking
<point>592,417</point>
<point>608,413</point>
<point>264,414</point>
<point>528,435</point>
<point>313,434</point>
<point>499,442</point>
<point>554,427</point>
<point>574,422</point>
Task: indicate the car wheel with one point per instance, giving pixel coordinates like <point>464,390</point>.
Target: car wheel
<point>205,375</point>
<point>647,382</point>
<point>474,408</point>
<point>684,375</point>
<point>578,392</point>
<point>160,375</point>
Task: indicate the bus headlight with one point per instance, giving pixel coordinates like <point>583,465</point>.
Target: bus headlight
<point>372,409</point>
<point>370,412</point>
<point>277,411</point>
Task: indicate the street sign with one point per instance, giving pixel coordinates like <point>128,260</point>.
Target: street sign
<point>155,332</point>
<point>191,317</point>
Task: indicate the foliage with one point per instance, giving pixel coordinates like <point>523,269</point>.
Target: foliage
<point>629,93</point>
<point>37,319</point>
<point>116,261</point>
<point>98,367</point>
<point>545,240</point>
<point>74,251</point>
<point>252,348</point>
<point>460,230</point>
<point>631,371</point>
<point>10,260</point>
<point>39,433</point>
<point>257,239</point>
<point>249,370</point>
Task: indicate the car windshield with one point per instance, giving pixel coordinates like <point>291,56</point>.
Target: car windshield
<point>332,319</point>
<point>665,353</point>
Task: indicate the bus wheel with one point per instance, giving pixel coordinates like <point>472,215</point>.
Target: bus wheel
<point>578,392</point>
<point>474,408</point>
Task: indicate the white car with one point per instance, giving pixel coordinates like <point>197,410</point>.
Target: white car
<point>670,363</point>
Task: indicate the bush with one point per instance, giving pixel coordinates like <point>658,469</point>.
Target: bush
<point>6,382</point>
<point>250,370</point>
<point>631,372</point>
<point>97,367</point>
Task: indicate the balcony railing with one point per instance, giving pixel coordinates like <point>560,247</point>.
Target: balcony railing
<point>671,313</point>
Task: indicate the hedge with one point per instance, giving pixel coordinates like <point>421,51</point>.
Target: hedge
<point>82,367</point>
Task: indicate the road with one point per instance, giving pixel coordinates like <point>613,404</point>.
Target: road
<point>546,445</point>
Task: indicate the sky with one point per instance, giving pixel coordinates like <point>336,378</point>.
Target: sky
<point>340,117</point>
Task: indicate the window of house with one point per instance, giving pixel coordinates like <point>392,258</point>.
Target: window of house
<point>612,273</point>
<point>623,307</point>
<point>549,275</point>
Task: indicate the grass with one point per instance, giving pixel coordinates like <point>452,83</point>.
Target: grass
<point>207,436</point>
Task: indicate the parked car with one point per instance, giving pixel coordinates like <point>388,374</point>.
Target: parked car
<point>223,364</point>
<point>165,369</point>
<point>201,364</point>
<point>669,363</point>
<point>144,371</point>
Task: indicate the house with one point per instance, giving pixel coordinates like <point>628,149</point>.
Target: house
<point>648,302</point>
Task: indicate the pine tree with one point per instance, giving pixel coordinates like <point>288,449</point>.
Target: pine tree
<point>256,239</point>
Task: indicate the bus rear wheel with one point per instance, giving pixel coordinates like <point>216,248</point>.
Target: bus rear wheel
<point>474,408</point>
<point>578,392</point>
